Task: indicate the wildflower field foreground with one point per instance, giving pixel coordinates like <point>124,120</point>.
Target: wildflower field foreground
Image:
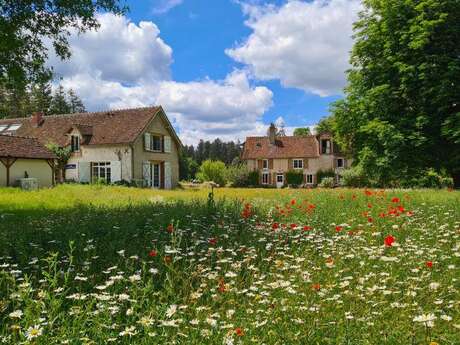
<point>101,265</point>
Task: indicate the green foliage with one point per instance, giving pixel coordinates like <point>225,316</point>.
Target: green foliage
<point>325,125</point>
<point>238,175</point>
<point>327,182</point>
<point>253,179</point>
<point>302,131</point>
<point>429,179</point>
<point>214,171</point>
<point>324,173</point>
<point>354,177</point>
<point>63,155</point>
<point>294,178</point>
<point>227,152</point>
<point>188,167</point>
<point>26,26</point>
<point>400,115</point>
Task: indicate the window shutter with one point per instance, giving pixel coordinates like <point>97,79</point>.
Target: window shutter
<point>147,174</point>
<point>260,164</point>
<point>147,141</point>
<point>167,175</point>
<point>115,170</point>
<point>84,172</point>
<point>270,164</point>
<point>290,164</point>
<point>305,163</point>
<point>167,144</point>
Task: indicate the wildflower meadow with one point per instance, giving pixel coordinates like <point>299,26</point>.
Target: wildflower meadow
<point>101,265</point>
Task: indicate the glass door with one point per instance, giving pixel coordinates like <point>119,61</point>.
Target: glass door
<point>156,178</point>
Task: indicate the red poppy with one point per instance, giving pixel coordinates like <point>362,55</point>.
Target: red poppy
<point>382,215</point>
<point>212,241</point>
<point>395,200</point>
<point>153,253</point>
<point>370,220</point>
<point>429,264</point>
<point>222,288</point>
<point>316,286</point>
<point>293,226</point>
<point>307,228</point>
<point>293,202</point>
<point>389,240</point>
<point>239,331</point>
<point>275,226</point>
<point>338,228</point>
<point>170,228</point>
<point>369,205</point>
<point>368,192</point>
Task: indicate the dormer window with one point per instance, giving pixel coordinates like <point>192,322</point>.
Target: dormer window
<point>75,143</point>
<point>326,147</point>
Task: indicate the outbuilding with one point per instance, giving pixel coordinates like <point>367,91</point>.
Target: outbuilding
<point>22,157</point>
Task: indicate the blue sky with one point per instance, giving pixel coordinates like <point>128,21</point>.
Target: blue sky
<point>222,68</point>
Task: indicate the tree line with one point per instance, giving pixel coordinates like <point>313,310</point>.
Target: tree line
<point>39,97</point>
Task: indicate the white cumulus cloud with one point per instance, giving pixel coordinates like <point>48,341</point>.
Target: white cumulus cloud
<point>303,44</point>
<point>125,64</point>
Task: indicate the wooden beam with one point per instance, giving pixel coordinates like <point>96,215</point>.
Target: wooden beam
<point>8,162</point>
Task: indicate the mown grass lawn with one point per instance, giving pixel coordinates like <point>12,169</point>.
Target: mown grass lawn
<point>98,265</point>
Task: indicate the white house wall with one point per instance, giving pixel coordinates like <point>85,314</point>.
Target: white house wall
<point>102,153</point>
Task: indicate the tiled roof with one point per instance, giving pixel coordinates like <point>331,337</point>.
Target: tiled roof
<point>285,147</point>
<point>21,147</point>
<point>106,127</point>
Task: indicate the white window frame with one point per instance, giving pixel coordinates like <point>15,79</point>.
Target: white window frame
<point>307,178</point>
<point>343,162</point>
<point>265,164</point>
<point>154,176</point>
<point>100,167</point>
<point>152,148</point>
<point>282,178</point>
<point>75,146</point>
<point>14,127</point>
<point>3,128</point>
<point>297,160</point>
<point>265,178</point>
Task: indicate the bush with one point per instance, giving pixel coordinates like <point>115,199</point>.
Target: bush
<point>433,179</point>
<point>238,175</point>
<point>354,177</point>
<point>327,182</point>
<point>294,178</point>
<point>253,178</point>
<point>324,173</point>
<point>212,171</point>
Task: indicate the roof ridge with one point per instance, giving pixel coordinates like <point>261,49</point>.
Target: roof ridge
<point>85,113</point>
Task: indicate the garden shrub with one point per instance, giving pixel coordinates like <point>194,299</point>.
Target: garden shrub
<point>433,179</point>
<point>238,175</point>
<point>212,171</point>
<point>354,177</point>
<point>324,173</point>
<point>327,182</point>
<point>294,178</point>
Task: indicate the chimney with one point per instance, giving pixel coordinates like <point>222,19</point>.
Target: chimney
<point>37,119</point>
<point>272,133</point>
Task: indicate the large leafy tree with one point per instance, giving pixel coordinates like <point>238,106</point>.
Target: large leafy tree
<point>401,113</point>
<point>301,131</point>
<point>26,24</point>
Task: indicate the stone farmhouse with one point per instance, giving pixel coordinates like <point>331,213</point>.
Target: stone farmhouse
<point>135,145</point>
<point>272,156</point>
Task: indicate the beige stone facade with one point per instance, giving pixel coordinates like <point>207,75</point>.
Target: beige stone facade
<point>35,168</point>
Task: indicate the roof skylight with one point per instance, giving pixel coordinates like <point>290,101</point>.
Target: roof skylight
<point>14,127</point>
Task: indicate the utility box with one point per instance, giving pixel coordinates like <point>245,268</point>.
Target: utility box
<point>29,183</point>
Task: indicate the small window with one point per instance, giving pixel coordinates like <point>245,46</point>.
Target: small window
<point>265,178</point>
<point>155,143</point>
<point>3,127</point>
<point>297,163</point>
<point>280,178</point>
<point>309,178</point>
<point>103,171</point>
<point>340,163</point>
<point>265,163</point>
<point>326,146</point>
<point>75,143</point>
<point>14,127</point>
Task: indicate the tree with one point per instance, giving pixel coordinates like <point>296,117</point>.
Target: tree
<point>302,131</point>
<point>325,125</point>
<point>63,155</point>
<point>400,115</point>
<point>59,103</point>
<point>75,103</point>
<point>26,25</point>
<point>41,96</point>
<point>214,171</point>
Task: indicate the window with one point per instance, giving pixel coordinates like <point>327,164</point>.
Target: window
<point>156,175</point>
<point>297,163</point>
<point>75,143</point>
<point>102,170</point>
<point>265,163</point>
<point>14,127</point>
<point>340,163</point>
<point>155,143</point>
<point>280,178</point>
<point>309,178</point>
<point>3,127</point>
<point>265,178</point>
<point>326,146</point>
